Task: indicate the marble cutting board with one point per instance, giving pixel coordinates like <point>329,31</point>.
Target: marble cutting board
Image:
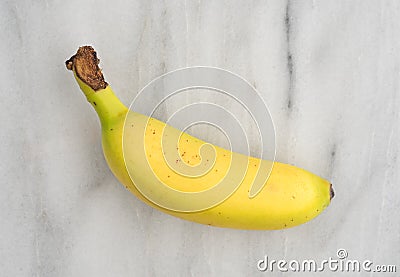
<point>329,72</point>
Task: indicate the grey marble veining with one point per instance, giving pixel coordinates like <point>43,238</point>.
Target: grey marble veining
<point>328,70</point>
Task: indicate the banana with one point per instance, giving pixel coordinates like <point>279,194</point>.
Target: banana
<point>137,149</point>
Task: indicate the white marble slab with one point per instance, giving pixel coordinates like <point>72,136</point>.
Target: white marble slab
<point>328,70</point>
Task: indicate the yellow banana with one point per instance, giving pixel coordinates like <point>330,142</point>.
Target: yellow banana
<point>291,196</point>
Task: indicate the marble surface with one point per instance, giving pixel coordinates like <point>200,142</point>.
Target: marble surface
<point>328,70</point>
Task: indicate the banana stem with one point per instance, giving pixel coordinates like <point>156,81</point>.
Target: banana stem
<point>87,72</point>
<point>85,65</point>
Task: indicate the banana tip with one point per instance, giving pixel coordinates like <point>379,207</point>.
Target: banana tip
<point>332,192</point>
